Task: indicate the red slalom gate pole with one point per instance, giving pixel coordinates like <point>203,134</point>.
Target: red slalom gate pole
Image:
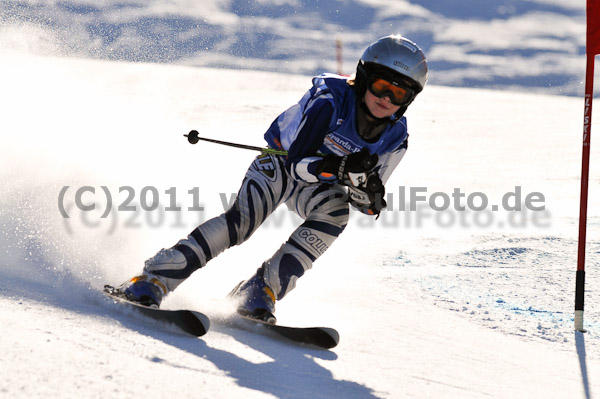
<point>338,51</point>
<point>585,167</point>
<point>592,48</point>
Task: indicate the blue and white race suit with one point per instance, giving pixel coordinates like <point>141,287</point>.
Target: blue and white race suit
<point>322,122</point>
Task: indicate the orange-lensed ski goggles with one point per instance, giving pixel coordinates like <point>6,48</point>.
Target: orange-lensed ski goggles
<point>398,95</point>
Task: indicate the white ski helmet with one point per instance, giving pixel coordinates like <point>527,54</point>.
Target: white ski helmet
<point>394,56</point>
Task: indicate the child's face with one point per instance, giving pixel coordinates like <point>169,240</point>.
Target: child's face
<point>380,107</point>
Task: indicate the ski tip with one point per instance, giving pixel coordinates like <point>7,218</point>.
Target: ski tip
<point>332,338</point>
<point>204,320</point>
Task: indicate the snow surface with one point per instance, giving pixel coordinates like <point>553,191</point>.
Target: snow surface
<point>428,304</point>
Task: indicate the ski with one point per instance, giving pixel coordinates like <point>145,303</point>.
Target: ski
<point>189,321</point>
<point>197,324</point>
<point>322,337</point>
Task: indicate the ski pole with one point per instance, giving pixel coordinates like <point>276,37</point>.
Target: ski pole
<point>193,138</point>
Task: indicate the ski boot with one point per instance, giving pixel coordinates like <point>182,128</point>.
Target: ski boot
<point>257,300</point>
<point>145,290</point>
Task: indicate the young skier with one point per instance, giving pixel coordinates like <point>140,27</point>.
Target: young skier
<point>344,138</point>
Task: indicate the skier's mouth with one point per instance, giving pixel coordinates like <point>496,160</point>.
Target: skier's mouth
<point>382,106</point>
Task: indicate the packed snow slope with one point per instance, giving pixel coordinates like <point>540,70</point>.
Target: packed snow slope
<point>439,302</point>
<point>531,45</point>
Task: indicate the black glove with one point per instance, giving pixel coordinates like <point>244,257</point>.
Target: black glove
<point>368,197</point>
<point>339,167</point>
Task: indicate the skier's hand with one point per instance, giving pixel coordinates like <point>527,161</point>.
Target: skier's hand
<point>358,162</point>
<point>367,197</point>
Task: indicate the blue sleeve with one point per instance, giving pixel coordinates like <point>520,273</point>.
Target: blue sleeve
<point>302,158</point>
